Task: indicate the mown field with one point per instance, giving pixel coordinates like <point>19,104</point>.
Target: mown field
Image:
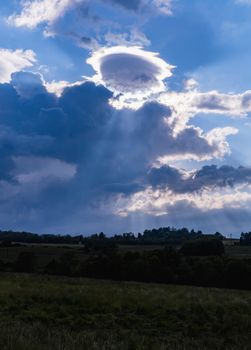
<point>45,313</point>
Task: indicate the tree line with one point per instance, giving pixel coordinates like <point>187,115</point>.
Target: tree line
<point>162,235</point>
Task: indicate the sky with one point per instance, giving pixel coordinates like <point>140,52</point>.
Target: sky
<point>123,115</point>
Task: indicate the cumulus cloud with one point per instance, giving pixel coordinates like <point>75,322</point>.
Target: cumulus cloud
<point>209,188</point>
<point>103,145</point>
<point>161,202</point>
<point>28,84</point>
<point>13,61</point>
<point>209,176</point>
<point>83,112</point>
<point>130,71</point>
<point>205,146</point>
<point>191,102</point>
<point>75,153</point>
<point>215,102</point>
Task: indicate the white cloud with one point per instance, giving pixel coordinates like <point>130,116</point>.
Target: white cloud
<point>159,202</point>
<point>217,137</point>
<point>190,84</point>
<point>35,12</point>
<point>13,61</point>
<point>39,11</point>
<point>164,6</point>
<point>130,71</point>
<point>185,105</point>
<point>57,87</point>
<point>194,102</point>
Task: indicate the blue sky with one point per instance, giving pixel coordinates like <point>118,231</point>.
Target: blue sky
<point>121,115</point>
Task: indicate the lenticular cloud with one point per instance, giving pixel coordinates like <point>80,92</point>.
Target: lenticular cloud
<point>130,71</point>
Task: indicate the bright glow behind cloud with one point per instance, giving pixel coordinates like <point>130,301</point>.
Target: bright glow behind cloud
<point>13,61</point>
<point>130,71</point>
<point>158,202</point>
<point>57,87</point>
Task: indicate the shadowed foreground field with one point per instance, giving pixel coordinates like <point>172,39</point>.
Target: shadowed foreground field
<point>43,313</point>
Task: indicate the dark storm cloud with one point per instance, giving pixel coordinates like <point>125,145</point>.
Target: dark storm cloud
<point>207,177</point>
<point>104,152</point>
<point>81,124</point>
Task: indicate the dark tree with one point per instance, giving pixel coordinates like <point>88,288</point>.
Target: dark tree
<point>203,247</point>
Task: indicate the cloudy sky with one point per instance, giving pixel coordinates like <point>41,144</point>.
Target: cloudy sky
<point>121,115</point>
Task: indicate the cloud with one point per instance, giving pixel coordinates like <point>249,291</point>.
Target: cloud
<point>130,71</point>
<point>162,6</point>
<point>134,37</point>
<point>187,104</point>
<point>164,202</point>
<point>100,149</point>
<point>74,154</point>
<point>13,61</point>
<point>196,181</point>
<point>35,12</point>
<point>58,87</point>
<point>193,144</point>
<point>83,41</point>
<point>215,102</point>
<point>210,188</point>
<point>37,169</point>
<point>81,20</point>
<point>229,220</point>
<point>28,84</point>
<point>82,116</point>
<point>39,11</point>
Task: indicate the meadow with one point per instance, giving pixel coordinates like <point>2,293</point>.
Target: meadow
<point>47,312</point>
<point>46,252</point>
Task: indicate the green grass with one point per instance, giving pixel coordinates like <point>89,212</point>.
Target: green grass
<point>238,251</point>
<point>42,313</point>
<point>44,253</point>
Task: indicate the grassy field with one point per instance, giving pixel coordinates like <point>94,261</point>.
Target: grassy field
<point>238,251</point>
<point>231,250</point>
<point>44,253</point>
<point>45,313</point>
